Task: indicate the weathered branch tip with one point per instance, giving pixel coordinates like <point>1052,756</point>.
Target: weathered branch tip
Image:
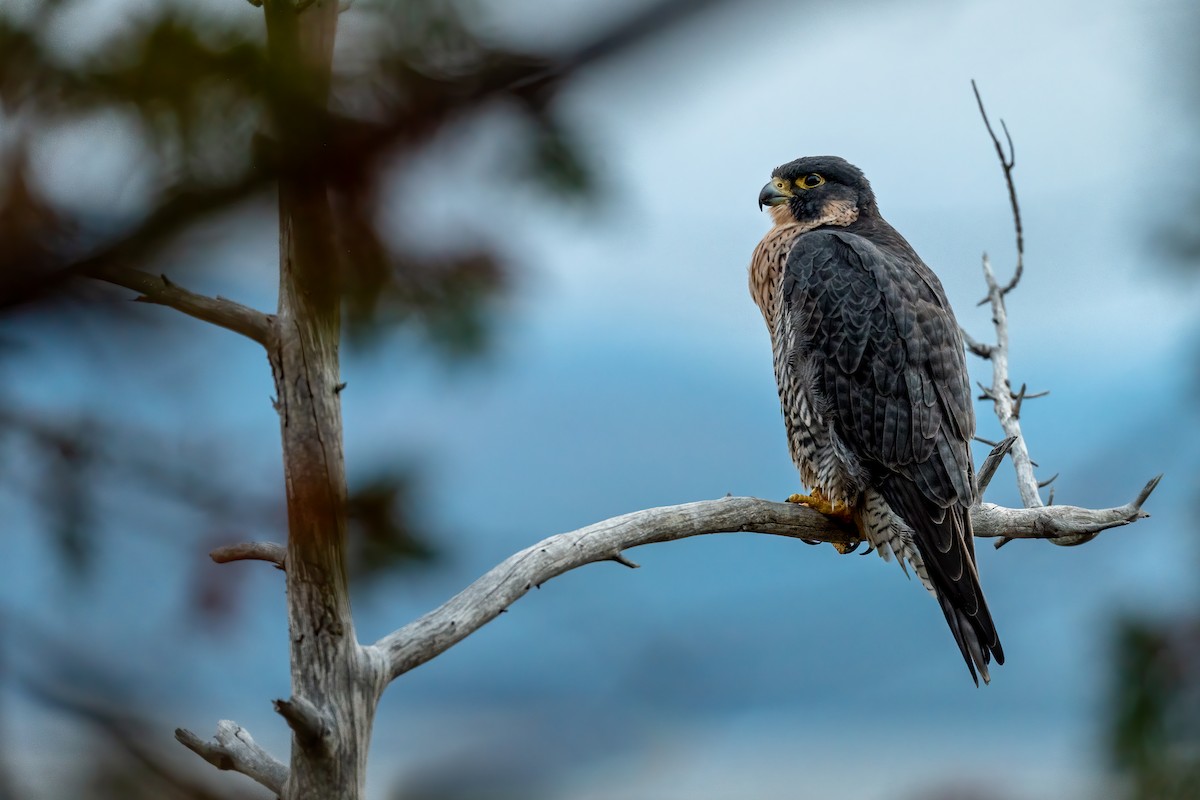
<point>1144,494</point>
<point>211,753</point>
<point>251,551</point>
<point>234,749</point>
<point>312,728</point>
<point>990,464</point>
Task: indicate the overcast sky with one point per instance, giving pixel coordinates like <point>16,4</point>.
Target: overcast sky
<point>631,369</point>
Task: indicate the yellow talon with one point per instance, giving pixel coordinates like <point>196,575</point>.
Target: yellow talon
<point>818,502</point>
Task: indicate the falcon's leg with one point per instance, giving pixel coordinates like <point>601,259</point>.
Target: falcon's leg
<point>840,513</point>
<point>817,501</point>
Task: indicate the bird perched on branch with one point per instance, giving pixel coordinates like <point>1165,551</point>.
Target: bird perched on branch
<point>873,384</point>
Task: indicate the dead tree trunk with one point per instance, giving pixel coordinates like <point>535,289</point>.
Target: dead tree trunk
<point>333,694</point>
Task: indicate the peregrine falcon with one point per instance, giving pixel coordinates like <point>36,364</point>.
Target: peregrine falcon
<point>873,384</point>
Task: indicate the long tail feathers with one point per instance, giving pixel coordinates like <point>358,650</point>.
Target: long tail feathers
<point>974,654</point>
<point>945,540</point>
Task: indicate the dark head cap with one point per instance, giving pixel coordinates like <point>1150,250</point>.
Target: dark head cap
<point>808,185</point>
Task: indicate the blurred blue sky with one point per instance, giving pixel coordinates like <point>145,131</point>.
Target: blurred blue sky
<point>630,369</point>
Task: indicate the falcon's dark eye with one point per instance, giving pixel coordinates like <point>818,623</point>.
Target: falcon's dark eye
<point>811,181</point>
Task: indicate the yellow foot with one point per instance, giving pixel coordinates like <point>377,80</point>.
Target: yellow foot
<point>819,502</point>
<point>840,513</point>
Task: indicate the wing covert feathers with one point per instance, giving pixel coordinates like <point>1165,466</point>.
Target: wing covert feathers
<point>889,371</point>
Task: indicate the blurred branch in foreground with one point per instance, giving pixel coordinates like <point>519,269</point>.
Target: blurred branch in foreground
<point>198,91</point>
<point>213,118</point>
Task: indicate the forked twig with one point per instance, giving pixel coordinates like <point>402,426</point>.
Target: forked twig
<point>1007,163</point>
<point>1007,403</point>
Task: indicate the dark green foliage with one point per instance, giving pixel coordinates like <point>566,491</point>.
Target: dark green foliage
<point>1155,707</point>
<point>382,531</point>
<point>204,98</point>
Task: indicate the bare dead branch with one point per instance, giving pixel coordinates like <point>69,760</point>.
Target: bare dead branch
<point>978,348</point>
<point>159,290</point>
<point>1020,397</point>
<point>486,598</point>
<point>312,728</point>
<point>1066,526</point>
<point>991,463</point>
<point>1007,403</point>
<point>1007,163</point>
<point>482,601</point>
<point>625,562</point>
<point>1001,394</point>
<point>234,749</point>
<point>251,551</point>
<point>1017,399</point>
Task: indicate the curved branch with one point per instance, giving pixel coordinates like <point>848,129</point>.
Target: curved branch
<point>486,598</point>
<point>504,584</point>
<point>1007,163</point>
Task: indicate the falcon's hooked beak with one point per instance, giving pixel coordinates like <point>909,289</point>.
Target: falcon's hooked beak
<point>772,195</point>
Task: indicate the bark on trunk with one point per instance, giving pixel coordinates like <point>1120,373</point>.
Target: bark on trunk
<point>335,686</point>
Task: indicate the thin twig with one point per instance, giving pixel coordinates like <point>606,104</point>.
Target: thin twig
<point>1018,398</point>
<point>1007,163</point>
<point>978,348</point>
